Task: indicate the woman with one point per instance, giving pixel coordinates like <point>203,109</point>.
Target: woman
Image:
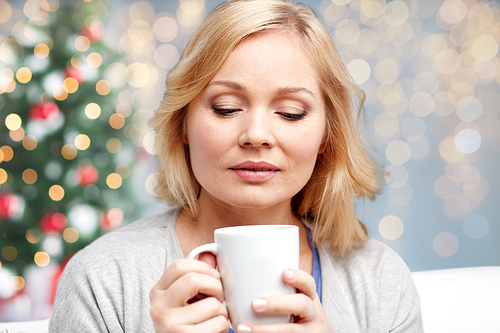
<point>257,127</point>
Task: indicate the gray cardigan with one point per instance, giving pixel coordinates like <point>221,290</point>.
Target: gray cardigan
<point>105,287</point>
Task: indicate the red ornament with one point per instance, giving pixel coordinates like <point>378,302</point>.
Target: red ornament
<point>73,72</point>
<point>88,175</point>
<point>43,111</point>
<point>93,31</point>
<point>53,222</point>
<point>9,205</point>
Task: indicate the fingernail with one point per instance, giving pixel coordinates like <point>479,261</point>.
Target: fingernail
<point>290,275</point>
<point>259,304</point>
<point>244,329</point>
<point>215,273</point>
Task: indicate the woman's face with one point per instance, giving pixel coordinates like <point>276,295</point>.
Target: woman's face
<point>255,131</point>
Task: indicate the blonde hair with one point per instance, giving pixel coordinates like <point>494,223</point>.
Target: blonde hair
<point>343,172</point>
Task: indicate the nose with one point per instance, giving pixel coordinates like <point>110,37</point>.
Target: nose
<point>257,130</point>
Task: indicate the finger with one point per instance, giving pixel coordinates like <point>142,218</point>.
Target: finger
<point>178,320</point>
<point>218,324</point>
<point>301,281</point>
<point>181,267</point>
<point>298,305</point>
<point>202,311</point>
<point>191,284</point>
<point>208,258</point>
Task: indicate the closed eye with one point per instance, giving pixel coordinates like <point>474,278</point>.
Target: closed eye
<point>293,116</point>
<point>223,112</point>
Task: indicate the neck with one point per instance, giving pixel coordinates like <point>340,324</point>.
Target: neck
<point>219,214</point>
<point>213,214</point>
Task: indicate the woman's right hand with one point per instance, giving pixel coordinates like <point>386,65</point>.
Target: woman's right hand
<point>176,305</point>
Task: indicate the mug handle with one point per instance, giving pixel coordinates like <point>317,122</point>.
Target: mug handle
<point>211,247</point>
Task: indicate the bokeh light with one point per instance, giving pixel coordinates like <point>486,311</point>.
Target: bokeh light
<point>30,142</point>
<point>391,227</point>
<point>13,122</point>
<point>92,111</point>
<point>398,152</point>
<point>82,141</point>
<point>42,258</point>
<point>70,235</point>
<point>56,192</point>
<point>476,226</point>
<point>445,244</point>
<point>30,176</point>
<point>114,181</point>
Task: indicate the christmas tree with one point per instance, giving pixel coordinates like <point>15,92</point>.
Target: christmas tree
<point>65,155</point>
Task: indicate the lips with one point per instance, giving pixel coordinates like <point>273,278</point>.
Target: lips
<point>255,171</point>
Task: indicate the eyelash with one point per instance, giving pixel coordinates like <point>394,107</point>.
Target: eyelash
<point>293,116</point>
<point>285,115</point>
<point>223,112</point>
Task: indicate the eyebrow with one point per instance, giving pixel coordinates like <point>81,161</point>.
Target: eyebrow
<point>282,91</point>
<point>230,84</point>
<point>294,90</point>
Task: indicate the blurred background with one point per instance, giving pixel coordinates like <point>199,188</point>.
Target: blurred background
<point>80,79</point>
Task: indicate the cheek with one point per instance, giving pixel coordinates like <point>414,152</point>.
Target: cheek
<point>204,142</point>
<point>306,145</point>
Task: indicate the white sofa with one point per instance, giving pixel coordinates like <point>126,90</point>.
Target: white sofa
<point>461,300</point>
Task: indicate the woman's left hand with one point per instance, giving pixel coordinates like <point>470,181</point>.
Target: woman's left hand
<point>304,306</point>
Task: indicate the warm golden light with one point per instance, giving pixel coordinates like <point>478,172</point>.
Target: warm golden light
<point>92,111</point>
<point>18,282</point>
<point>71,235</point>
<point>103,87</point>
<point>30,142</point>
<point>42,259</point>
<point>114,181</point>
<point>8,153</point>
<point>30,176</point>
<point>69,151</point>
<point>82,141</point>
<point>56,192</point>
<point>116,121</point>
<point>70,85</point>
<point>13,122</point>
<point>94,60</point>
<point>33,235</point>
<point>23,75</point>
<point>41,51</point>
<point>17,135</point>
<point>3,176</point>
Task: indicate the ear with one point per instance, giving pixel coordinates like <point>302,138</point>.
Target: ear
<point>322,148</point>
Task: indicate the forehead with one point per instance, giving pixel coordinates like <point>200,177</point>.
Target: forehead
<point>273,55</point>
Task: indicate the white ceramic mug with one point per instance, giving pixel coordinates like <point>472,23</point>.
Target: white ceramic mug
<point>251,260</point>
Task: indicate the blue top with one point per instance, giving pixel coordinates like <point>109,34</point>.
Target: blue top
<point>316,271</point>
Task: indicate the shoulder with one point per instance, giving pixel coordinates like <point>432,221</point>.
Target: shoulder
<point>147,244</point>
<point>371,264</point>
<point>107,283</point>
<point>377,286</point>
<point>142,240</point>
